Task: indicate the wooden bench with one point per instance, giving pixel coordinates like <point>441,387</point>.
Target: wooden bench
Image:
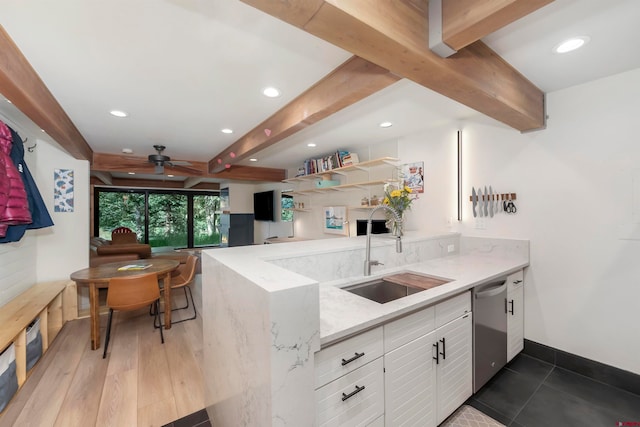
<point>53,302</point>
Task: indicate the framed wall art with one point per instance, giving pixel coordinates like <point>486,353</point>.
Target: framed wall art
<point>335,220</point>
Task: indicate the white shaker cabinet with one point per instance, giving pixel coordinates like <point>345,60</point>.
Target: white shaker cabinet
<point>515,314</point>
<point>454,368</point>
<point>410,384</point>
<point>429,377</point>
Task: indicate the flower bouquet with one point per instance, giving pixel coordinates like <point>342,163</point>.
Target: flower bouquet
<point>399,197</point>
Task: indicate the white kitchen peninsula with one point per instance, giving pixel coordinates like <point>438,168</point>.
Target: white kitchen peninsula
<point>268,308</point>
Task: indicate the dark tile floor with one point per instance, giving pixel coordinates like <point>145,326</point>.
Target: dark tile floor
<point>530,392</point>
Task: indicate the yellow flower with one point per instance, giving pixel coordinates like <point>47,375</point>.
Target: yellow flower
<point>396,193</point>
<point>408,190</point>
<point>386,201</point>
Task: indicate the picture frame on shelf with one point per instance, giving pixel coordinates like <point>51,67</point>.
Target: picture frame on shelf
<point>335,220</point>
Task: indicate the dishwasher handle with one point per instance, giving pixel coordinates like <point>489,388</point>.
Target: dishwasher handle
<point>491,291</point>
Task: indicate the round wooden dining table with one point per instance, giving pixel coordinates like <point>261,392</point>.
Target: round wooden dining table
<point>98,277</point>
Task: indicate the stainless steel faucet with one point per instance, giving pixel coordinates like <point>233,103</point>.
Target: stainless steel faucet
<point>367,260</point>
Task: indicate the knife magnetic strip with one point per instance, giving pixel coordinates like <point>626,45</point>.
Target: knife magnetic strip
<point>500,196</point>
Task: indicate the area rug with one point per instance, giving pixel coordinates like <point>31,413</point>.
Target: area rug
<point>468,416</point>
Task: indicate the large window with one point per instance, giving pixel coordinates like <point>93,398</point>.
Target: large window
<point>177,219</point>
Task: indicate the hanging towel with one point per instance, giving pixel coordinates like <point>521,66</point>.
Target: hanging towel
<point>39,213</point>
<point>16,208</point>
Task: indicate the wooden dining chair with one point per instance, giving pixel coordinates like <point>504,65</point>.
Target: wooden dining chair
<point>132,293</point>
<point>185,273</point>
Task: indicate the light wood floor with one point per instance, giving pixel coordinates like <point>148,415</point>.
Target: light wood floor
<point>141,382</point>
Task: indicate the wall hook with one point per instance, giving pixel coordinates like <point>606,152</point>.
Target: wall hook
<point>32,148</point>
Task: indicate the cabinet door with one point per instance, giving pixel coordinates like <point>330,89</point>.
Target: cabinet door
<point>409,384</point>
<point>515,322</point>
<point>454,375</point>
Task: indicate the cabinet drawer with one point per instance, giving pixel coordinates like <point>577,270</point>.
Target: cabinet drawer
<point>452,308</point>
<point>515,280</point>
<point>335,407</point>
<point>404,330</point>
<point>341,358</point>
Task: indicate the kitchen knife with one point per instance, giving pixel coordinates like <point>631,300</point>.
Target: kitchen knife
<point>486,201</point>
<point>474,201</point>
<point>491,202</point>
<point>480,201</point>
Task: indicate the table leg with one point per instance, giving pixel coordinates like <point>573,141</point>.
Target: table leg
<point>167,300</point>
<point>94,313</point>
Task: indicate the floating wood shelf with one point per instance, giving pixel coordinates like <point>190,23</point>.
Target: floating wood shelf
<point>365,166</point>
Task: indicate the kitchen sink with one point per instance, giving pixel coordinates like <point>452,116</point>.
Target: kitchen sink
<point>382,291</point>
<point>393,287</point>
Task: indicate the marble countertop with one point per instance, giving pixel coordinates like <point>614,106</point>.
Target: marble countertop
<point>343,314</point>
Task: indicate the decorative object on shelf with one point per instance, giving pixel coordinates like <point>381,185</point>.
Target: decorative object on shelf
<point>413,175</point>
<point>327,181</point>
<point>399,197</point>
<point>364,201</point>
<point>335,220</point>
<point>374,201</point>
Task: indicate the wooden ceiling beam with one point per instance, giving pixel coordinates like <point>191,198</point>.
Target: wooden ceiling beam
<point>152,183</point>
<point>351,82</point>
<point>103,162</point>
<point>394,35</point>
<point>467,21</point>
<point>21,85</point>
<point>105,177</point>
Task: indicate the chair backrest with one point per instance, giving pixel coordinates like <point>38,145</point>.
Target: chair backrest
<point>186,272</point>
<point>121,230</point>
<point>133,292</point>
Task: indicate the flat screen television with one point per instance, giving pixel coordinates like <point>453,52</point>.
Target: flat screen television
<point>263,206</point>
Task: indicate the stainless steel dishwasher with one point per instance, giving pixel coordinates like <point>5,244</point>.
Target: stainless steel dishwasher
<point>489,331</point>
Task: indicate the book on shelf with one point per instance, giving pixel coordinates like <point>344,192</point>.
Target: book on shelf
<point>132,267</point>
<point>350,159</point>
<point>327,163</point>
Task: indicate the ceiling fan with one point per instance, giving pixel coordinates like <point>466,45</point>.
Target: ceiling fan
<point>160,160</point>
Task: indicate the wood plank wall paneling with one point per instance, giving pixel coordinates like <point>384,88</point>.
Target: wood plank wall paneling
<point>17,267</point>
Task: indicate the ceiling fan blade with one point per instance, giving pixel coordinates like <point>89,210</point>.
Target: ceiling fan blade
<point>179,163</point>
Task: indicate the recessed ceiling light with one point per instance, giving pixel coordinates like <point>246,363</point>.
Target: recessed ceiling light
<point>386,124</point>
<point>127,150</point>
<point>311,144</point>
<point>571,44</point>
<point>170,176</point>
<point>9,101</point>
<point>118,113</point>
<point>253,160</point>
<point>131,173</point>
<point>227,130</point>
<point>271,92</point>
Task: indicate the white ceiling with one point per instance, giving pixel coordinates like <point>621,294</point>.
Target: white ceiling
<point>185,69</point>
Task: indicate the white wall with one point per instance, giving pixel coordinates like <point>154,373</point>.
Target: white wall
<point>50,253</point>
<point>574,183</point>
